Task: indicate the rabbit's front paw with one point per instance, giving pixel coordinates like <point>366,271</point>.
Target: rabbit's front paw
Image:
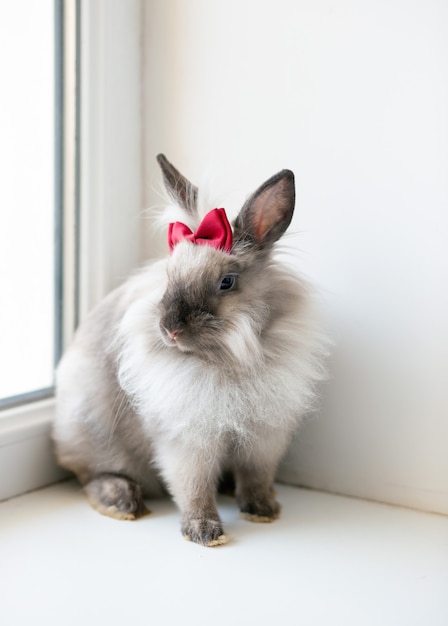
<point>261,511</point>
<point>207,532</point>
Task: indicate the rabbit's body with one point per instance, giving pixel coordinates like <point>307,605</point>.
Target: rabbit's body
<point>180,376</point>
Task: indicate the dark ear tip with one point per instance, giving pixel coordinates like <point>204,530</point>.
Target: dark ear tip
<point>286,174</point>
<point>161,159</point>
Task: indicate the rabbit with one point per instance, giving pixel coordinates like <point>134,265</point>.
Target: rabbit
<point>201,364</point>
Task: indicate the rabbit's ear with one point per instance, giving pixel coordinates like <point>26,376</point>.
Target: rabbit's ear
<point>180,189</point>
<point>267,213</point>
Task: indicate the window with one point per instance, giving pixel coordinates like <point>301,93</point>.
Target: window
<point>28,151</point>
<point>91,173</point>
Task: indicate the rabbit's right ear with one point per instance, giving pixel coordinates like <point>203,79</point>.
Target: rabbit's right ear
<point>180,189</point>
<point>267,213</point>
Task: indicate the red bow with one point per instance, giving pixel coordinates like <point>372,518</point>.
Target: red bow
<point>214,230</point>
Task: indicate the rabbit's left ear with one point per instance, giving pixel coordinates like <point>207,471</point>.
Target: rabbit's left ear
<point>180,189</point>
<point>267,213</point>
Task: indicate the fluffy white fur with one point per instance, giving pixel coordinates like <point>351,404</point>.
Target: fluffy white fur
<point>135,405</point>
<point>186,397</point>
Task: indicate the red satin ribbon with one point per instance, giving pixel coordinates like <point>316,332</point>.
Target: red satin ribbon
<point>214,230</point>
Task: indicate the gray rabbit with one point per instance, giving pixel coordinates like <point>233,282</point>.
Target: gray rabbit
<point>201,364</point>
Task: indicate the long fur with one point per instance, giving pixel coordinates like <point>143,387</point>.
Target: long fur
<point>226,395</point>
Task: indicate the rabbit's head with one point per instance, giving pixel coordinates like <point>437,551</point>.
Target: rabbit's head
<point>220,299</point>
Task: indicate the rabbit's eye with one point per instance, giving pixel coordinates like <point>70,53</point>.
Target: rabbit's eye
<point>228,282</point>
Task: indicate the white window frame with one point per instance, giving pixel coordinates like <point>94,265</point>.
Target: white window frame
<point>104,248</point>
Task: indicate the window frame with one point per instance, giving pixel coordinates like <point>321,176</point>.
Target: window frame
<point>100,191</point>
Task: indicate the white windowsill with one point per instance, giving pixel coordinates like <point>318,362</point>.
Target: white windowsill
<point>26,456</point>
<point>328,560</point>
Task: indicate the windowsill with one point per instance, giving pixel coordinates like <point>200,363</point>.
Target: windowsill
<point>328,560</point>
<point>26,456</point>
<point>25,421</point>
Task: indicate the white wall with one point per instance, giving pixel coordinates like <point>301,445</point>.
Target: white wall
<point>353,96</point>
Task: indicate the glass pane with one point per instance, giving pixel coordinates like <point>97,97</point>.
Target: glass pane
<point>27,182</point>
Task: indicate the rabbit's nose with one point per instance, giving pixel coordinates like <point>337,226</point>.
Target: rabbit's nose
<point>172,334</point>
